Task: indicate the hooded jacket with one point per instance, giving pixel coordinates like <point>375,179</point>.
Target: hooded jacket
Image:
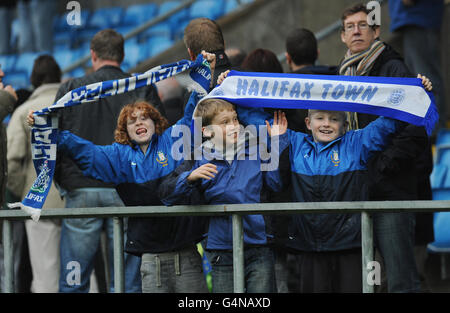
<point>237,181</point>
<point>7,102</point>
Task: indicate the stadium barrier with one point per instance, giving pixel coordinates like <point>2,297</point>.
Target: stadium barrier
<point>366,208</point>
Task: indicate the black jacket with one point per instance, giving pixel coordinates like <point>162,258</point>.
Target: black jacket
<point>94,121</point>
<point>402,171</point>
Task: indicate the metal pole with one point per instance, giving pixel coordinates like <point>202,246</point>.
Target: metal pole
<point>367,250</point>
<point>119,277</point>
<point>8,254</point>
<point>238,254</point>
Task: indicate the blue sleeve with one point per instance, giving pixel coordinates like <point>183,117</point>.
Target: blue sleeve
<point>253,116</point>
<point>183,126</point>
<point>271,170</point>
<point>376,136</point>
<point>99,162</point>
<point>175,188</point>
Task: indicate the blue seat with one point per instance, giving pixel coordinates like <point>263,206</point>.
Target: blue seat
<point>178,30</point>
<point>134,53</point>
<point>139,13</point>
<point>60,23</point>
<point>211,9</point>
<point>163,29</point>
<point>106,18</point>
<point>441,243</point>
<point>25,62</point>
<point>8,62</point>
<point>441,224</point>
<point>83,37</point>
<point>442,154</point>
<point>64,58</point>
<point>17,80</point>
<point>443,137</point>
<point>167,6</point>
<point>156,45</point>
<point>230,5</point>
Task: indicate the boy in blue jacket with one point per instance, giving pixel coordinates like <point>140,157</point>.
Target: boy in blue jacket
<point>229,172</point>
<point>136,163</point>
<point>329,165</point>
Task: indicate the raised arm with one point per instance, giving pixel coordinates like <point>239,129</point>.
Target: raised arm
<point>100,162</point>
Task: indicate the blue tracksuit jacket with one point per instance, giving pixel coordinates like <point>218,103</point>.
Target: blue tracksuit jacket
<point>137,177</point>
<point>335,171</point>
<point>238,182</point>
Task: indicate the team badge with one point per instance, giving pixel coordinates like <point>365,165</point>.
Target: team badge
<point>335,158</point>
<point>161,158</point>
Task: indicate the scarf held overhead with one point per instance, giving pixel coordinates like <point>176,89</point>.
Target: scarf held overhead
<point>44,135</point>
<point>403,99</point>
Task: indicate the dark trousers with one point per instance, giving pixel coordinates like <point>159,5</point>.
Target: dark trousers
<point>334,271</point>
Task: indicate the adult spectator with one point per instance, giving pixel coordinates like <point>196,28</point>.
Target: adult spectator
<point>301,56</point>
<point>43,237</point>
<point>95,122</point>
<point>205,34</point>
<point>8,98</point>
<point>6,16</point>
<point>35,25</point>
<point>395,173</point>
<point>236,56</point>
<point>418,24</point>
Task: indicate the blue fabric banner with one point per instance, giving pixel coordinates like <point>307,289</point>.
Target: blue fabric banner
<point>399,98</point>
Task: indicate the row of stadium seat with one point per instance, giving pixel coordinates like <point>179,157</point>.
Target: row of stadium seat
<point>440,184</point>
<point>72,42</point>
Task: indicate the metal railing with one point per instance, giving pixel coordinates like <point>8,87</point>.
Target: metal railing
<point>366,208</point>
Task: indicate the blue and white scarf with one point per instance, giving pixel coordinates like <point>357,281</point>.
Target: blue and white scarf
<point>44,136</point>
<point>403,99</point>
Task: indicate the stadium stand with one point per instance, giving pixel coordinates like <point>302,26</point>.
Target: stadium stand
<point>440,184</point>
<point>71,42</point>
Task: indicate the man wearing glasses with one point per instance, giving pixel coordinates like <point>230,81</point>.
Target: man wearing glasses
<point>400,171</point>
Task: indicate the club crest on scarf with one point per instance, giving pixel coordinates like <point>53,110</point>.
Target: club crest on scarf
<point>397,96</point>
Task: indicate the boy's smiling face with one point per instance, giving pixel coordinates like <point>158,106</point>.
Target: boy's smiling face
<point>225,126</point>
<point>326,126</point>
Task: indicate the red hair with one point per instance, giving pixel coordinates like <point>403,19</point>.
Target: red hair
<point>121,134</point>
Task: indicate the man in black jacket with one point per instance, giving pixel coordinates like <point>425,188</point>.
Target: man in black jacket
<point>400,171</point>
<point>95,122</point>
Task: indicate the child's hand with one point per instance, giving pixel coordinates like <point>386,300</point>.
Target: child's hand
<point>211,58</point>
<point>222,77</point>
<point>206,171</point>
<point>30,118</point>
<point>425,82</point>
<point>279,124</point>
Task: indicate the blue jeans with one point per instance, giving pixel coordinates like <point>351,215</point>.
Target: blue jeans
<point>394,238</point>
<point>422,53</point>
<point>259,270</point>
<point>80,239</point>
<point>36,28</point>
<point>6,15</point>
